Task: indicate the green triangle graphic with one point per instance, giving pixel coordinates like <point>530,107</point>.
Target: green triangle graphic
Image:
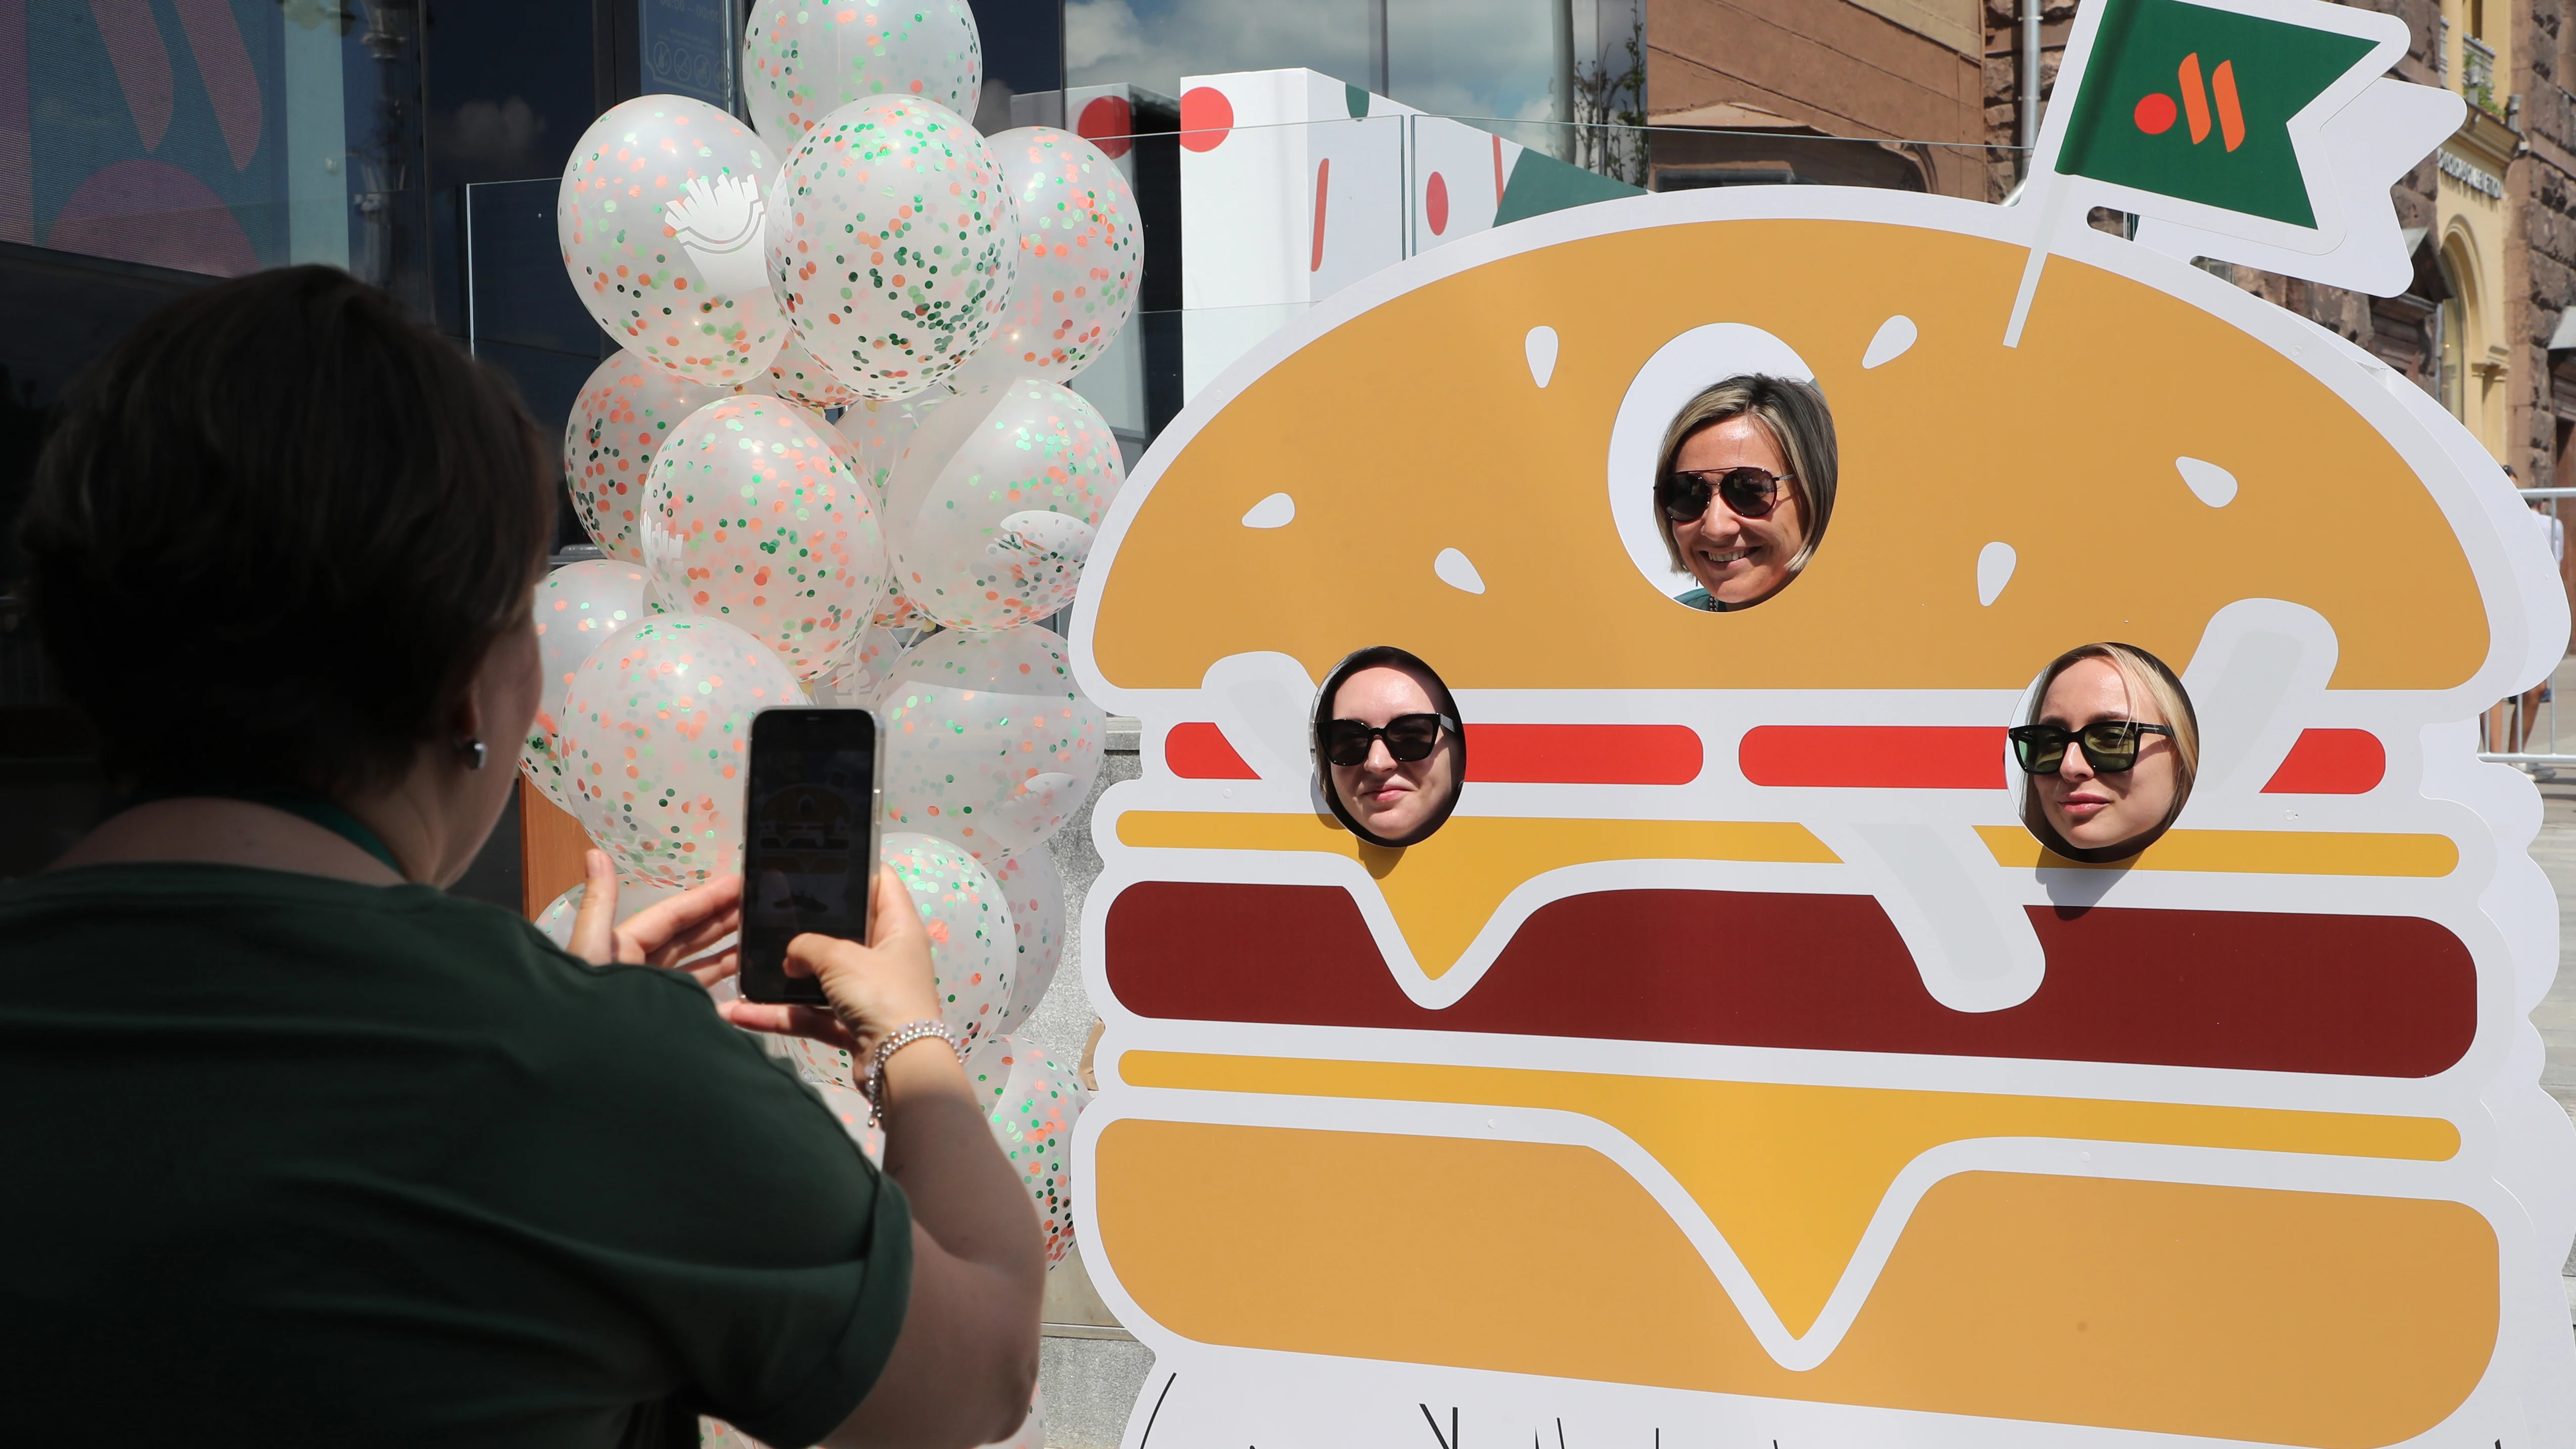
<point>2141,121</point>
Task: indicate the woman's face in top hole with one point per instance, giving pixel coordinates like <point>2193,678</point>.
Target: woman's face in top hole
<point>2094,810</point>
<point>1392,798</point>
<point>1740,560</point>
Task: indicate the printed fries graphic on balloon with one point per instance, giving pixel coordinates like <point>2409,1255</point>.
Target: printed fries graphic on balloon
<point>1733,1063</point>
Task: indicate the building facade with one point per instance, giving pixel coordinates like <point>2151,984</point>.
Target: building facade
<point>2488,215</point>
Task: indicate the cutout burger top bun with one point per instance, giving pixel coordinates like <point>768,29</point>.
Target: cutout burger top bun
<point>1419,427</point>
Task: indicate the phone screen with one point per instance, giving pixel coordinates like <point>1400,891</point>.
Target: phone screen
<point>810,854</point>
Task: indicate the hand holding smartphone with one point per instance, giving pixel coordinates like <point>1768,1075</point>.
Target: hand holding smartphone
<point>810,852</point>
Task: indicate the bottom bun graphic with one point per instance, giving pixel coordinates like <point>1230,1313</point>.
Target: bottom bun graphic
<point>2339,1321</point>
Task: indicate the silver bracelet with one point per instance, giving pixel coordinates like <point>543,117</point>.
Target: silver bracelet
<point>903,1036</point>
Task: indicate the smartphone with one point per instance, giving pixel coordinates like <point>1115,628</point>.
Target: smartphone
<point>810,841</point>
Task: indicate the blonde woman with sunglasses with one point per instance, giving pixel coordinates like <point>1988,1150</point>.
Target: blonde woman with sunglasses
<point>1744,487</point>
<point>2109,753</point>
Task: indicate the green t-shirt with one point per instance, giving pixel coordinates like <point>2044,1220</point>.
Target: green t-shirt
<point>296,1161</point>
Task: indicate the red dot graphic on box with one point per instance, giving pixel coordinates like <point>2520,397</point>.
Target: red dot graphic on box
<point>1206,116</point>
<point>1109,123</point>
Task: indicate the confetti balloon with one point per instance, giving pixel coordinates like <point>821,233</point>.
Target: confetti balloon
<point>656,728</point>
<point>1035,890</point>
<point>618,423</point>
<point>577,606</point>
<point>803,60</point>
<point>822,1064</point>
<point>878,431</point>
<point>796,376</point>
<point>555,921</point>
<point>752,517</point>
<point>1031,1103</point>
<point>1074,280</point>
<point>661,219</point>
<point>969,925</point>
<point>997,501</point>
<point>893,241</point>
<point>986,739</point>
<point>860,672</point>
<point>851,1106</point>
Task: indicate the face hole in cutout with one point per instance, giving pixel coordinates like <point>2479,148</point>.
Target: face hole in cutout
<point>1378,706</point>
<point>1723,462</point>
<point>2107,745</point>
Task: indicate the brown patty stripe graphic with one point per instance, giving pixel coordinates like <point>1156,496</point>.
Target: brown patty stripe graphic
<point>2381,996</point>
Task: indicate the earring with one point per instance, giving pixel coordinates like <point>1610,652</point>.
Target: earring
<point>474,752</point>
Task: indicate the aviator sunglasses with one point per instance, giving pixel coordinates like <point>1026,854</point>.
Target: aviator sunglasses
<point>2109,745</point>
<point>1409,737</point>
<point>1747,492</point>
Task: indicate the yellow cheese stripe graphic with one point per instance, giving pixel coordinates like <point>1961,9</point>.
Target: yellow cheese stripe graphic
<point>2251,852</point>
<point>1749,1152</point>
<point>1443,890</point>
<point>2342,1322</point>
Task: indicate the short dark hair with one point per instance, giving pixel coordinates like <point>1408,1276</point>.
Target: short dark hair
<point>293,520</point>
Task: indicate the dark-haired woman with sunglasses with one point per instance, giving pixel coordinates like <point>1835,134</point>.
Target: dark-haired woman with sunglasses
<point>1745,487</point>
<point>1387,735</point>
<point>2109,753</point>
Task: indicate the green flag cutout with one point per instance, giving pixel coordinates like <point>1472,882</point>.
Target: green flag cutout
<point>2195,103</point>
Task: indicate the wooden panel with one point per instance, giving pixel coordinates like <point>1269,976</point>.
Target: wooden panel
<point>551,844</point>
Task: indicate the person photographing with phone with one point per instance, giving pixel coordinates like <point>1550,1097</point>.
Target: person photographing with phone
<point>306,1151</point>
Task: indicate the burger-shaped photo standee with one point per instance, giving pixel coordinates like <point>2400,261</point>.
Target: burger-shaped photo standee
<point>2046,963</point>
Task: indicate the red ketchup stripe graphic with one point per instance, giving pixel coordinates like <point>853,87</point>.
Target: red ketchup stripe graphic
<point>2380,996</point>
<point>1549,754</point>
<point>1882,757</point>
<point>1198,751</point>
<point>2330,762</point>
<point>1971,757</point>
<point>1502,754</point>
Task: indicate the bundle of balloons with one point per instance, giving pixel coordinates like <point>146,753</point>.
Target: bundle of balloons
<point>835,461</point>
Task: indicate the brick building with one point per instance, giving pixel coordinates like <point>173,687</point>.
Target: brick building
<point>2489,214</point>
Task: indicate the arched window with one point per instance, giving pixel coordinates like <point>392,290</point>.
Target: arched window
<point>2451,332</point>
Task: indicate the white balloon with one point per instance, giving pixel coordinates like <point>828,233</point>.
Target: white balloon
<point>996,503</point>
<point>987,740</point>
<point>860,672</point>
<point>752,516</point>
<point>1035,889</point>
<point>617,424</point>
<point>577,606</point>
<point>970,930</point>
<point>796,376</point>
<point>803,60</point>
<point>661,219</point>
<point>1081,249</point>
<point>656,734</point>
<point>891,243</point>
<point>555,921</point>
<point>851,1107</point>
<point>879,432</point>
<point>1031,1103</point>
